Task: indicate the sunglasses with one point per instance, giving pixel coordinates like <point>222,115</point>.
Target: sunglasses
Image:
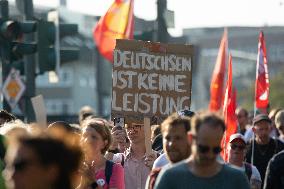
<point>134,127</point>
<point>235,147</point>
<point>205,149</point>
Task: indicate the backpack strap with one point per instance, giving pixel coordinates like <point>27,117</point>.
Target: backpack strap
<point>248,170</point>
<point>108,170</point>
<point>153,176</point>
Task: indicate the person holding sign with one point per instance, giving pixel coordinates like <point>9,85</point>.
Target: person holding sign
<point>137,165</point>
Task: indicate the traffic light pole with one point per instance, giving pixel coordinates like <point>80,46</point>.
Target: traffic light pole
<point>162,27</point>
<point>5,63</point>
<point>29,63</point>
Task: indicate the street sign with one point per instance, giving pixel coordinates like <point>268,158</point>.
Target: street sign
<point>13,88</point>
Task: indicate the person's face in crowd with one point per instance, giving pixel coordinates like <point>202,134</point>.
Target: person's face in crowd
<point>242,118</point>
<point>175,143</point>
<point>24,170</point>
<point>236,151</point>
<point>92,142</point>
<point>206,145</point>
<point>261,130</point>
<point>135,132</point>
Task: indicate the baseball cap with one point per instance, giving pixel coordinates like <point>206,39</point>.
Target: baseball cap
<point>237,136</point>
<point>261,117</point>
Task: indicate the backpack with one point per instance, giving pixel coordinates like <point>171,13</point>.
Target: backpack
<point>108,170</point>
<point>248,170</point>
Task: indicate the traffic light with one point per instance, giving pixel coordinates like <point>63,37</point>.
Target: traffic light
<point>50,53</point>
<point>11,33</point>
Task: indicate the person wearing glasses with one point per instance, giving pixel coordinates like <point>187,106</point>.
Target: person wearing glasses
<point>202,170</point>
<point>236,155</point>
<point>137,165</point>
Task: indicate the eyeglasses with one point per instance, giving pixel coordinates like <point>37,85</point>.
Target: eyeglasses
<point>205,149</point>
<point>134,126</point>
<point>235,147</point>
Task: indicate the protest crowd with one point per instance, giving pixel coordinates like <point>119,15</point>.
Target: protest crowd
<point>152,139</point>
<point>186,153</point>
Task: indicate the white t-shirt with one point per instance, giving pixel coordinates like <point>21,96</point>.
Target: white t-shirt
<point>255,175</point>
<point>160,161</point>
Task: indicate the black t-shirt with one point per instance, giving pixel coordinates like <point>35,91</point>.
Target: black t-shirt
<point>274,178</point>
<point>263,153</point>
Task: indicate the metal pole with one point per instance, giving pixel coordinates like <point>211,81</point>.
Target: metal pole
<point>30,66</point>
<point>99,82</point>
<point>5,63</point>
<point>162,27</point>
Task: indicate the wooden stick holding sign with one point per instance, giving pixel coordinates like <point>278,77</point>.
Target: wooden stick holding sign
<point>40,110</point>
<point>147,132</point>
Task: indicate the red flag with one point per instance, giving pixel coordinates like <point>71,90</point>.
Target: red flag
<point>117,23</point>
<point>262,80</point>
<point>217,81</point>
<point>229,110</point>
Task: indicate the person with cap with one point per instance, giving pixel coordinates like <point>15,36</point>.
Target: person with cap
<point>236,154</point>
<point>262,147</point>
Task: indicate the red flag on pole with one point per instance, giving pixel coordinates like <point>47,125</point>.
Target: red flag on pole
<point>262,80</point>
<point>117,23</point>
<point>217,81</point>
<point>229,109</point>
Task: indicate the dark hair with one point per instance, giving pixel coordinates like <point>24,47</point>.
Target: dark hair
<point>85,112</point>
<point>64,125</point>
<point>101,126</point>
<point>175,119</point>
<point>208,118</point>
<point>7,116</point>
<point>239,109</point>
<point>52,151</point>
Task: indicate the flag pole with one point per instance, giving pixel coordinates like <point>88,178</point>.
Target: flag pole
<point>254,107</point>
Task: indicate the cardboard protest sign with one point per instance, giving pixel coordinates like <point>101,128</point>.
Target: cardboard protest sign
<point>40,110</point>
<point>150,79</point>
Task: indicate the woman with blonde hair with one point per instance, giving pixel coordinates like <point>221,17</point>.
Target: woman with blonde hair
<point>97,171</point>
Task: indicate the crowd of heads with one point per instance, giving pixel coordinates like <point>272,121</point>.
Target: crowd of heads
<point>61,155</point>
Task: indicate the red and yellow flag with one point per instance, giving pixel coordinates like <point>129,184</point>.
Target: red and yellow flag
<point>229,109</point>
<point>117,23</point>
<point>217,81</point>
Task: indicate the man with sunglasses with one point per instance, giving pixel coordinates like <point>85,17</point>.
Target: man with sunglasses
<point>201,169</point>
<point>237,152</point>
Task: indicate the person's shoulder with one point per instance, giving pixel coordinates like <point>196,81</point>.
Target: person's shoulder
<point>279,157</point>
<point>237,177</point>
<point>232,170</point>
<point>117,166</point>
<point>175,168</point>
<point>160,161</point>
